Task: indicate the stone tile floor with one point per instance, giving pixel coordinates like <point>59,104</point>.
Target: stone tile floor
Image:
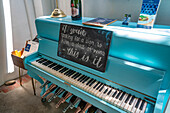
<point>20,99</point>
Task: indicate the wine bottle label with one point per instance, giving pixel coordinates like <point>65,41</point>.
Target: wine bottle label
<point>75,10</point>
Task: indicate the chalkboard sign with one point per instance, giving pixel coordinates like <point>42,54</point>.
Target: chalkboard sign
<point>83,45</point>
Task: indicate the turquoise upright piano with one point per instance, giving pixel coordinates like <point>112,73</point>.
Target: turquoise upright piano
<point>137,74</point>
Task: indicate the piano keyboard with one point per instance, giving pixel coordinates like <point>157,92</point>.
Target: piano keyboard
<point>114,96</point>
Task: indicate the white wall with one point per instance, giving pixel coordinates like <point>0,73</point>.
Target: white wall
<point>2,45</point>
<point>48,6</point>
<point>117,8</point>
<point>23,14</point>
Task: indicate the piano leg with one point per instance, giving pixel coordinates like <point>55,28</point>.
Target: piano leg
<point>35,76</point>
<point>33,86</point>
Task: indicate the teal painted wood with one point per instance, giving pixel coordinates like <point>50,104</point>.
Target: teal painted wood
<point>153,50</point>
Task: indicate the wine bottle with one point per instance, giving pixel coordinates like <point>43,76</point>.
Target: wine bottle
<point>73,98</point>
<point>50,89</point>
<point>45,83</point>
<point>65,96</point>
<point>92,109</point>
<point>57,92</point>
<point>81,105</point>
<point>76,10</point>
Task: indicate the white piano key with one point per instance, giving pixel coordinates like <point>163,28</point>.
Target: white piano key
<point>96,90</point>
<point>117,100</point>
<point>132,106</point>
<point>121,103</point>
<point>80,84</point>
<point>126,104</point>
<point>90,88</point>
<point>138,110</point>
<point>144,108</point>
<point>102,91</point>
<point>109,97</point>
<point>104,96</point>
<point>84,85</point>
<point>113,100</point>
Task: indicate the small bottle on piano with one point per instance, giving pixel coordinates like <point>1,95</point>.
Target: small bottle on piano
<point>76,12</point>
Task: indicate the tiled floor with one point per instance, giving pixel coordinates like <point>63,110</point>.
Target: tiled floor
<point>21,99</point>
<point>6,89</point>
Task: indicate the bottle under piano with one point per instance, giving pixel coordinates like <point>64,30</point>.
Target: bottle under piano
<point>107,93</point>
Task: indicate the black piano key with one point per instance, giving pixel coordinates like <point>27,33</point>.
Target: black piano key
<point>96,85</point>
<point>133,97</point>
<point>85,80</point>
<point>52,65</point>
<point>79,74</point>
<point>39,59</point>
<point>117,96</point>
<point>67,72</point>
<point>114,94</point>
<point>89,82</point>
<point>81,78</point>
<point>105,91</point>
<point>121,97</point>
<point>128,97</point>
<point>42,61</point>
<point>137,104</point>
<point>63,70</point>
<point>47,63</point>
<point>109,92</point>
<point>57,67</point>
<point>142,104</point>
<point>74,75</point>
<point>101,88</point>
<point>71,73</point>
<point>92,82</point>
